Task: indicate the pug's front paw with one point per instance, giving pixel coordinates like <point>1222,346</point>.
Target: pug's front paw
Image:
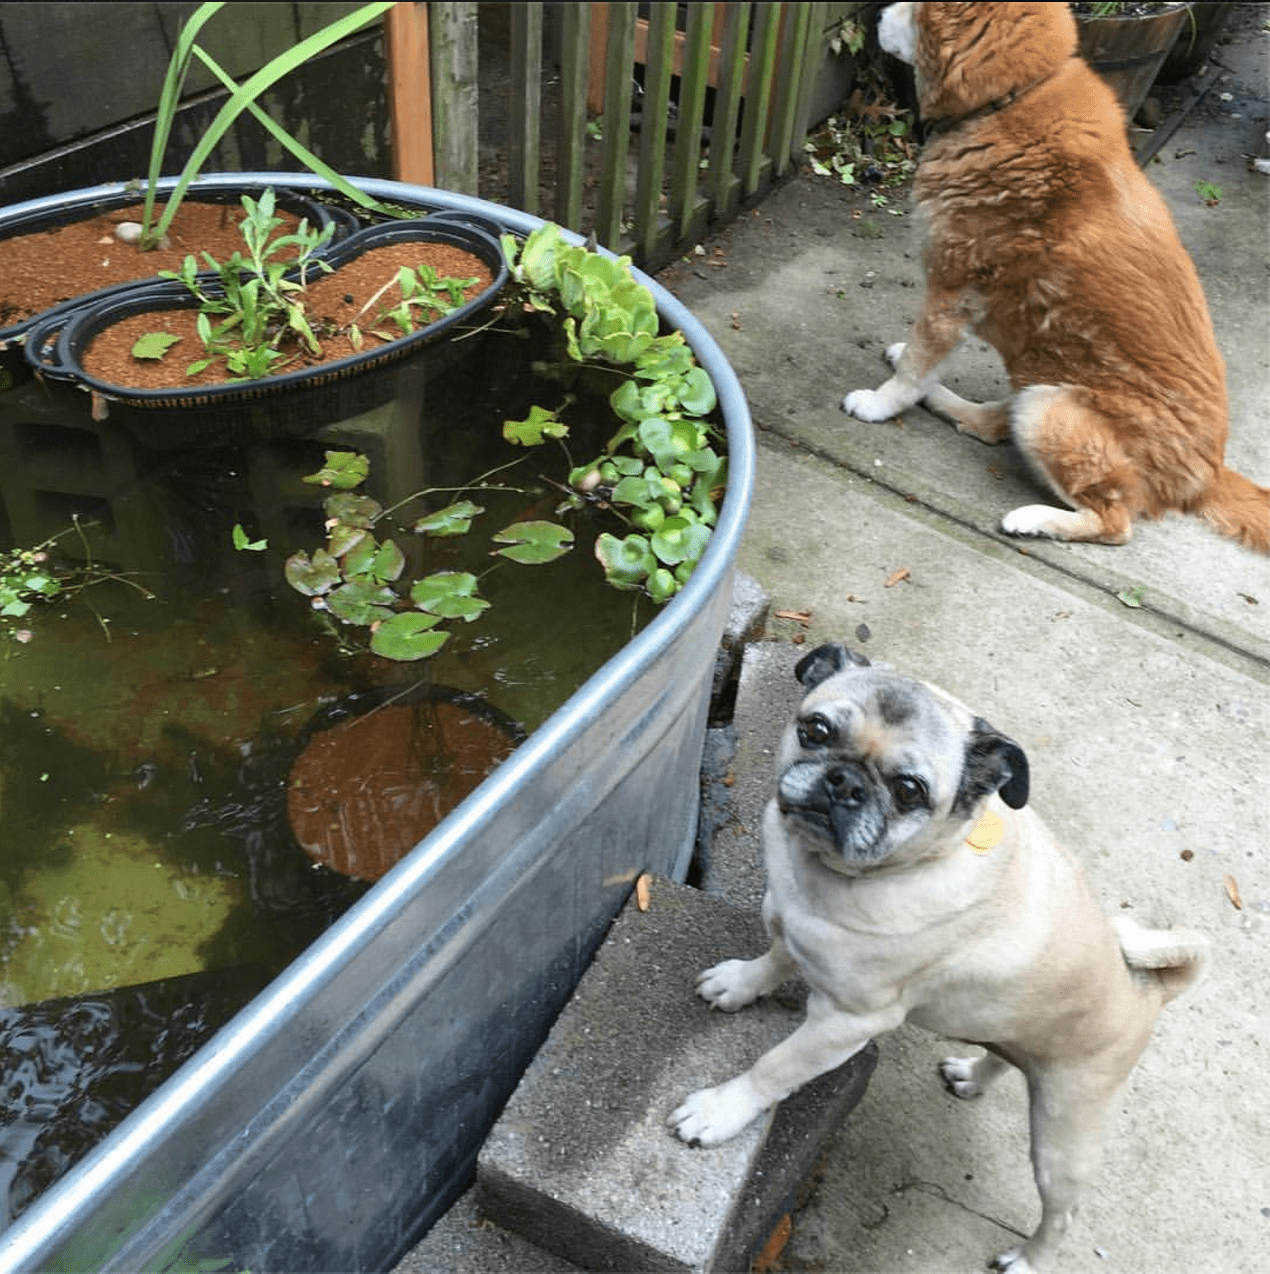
<point>730,985</point>
<point>712,1116</point>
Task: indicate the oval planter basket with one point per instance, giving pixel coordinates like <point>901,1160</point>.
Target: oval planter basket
<point>47,214</point>
<point>224,413</point>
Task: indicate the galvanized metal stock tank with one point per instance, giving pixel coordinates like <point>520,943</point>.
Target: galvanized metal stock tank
<point>329,1123</point>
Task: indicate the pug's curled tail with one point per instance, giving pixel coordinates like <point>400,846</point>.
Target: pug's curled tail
<point>1179,957</point>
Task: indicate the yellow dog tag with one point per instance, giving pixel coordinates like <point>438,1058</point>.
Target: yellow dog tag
<point>987,832</point>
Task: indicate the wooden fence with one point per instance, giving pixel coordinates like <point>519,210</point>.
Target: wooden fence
<point>641,124</point>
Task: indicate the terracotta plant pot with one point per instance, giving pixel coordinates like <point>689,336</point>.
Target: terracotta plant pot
<point>217,413</point>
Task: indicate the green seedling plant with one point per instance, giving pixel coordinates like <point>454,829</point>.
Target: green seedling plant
<point>425,298</point>
<point>257,298</point>
<point>659,472</point>
<point>242,98</point>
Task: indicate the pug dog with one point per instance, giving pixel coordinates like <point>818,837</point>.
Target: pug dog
<point>909,880</point>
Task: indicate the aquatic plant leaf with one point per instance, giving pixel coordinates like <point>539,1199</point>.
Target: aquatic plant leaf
<point>343,470</point>
<point>312,576</point>
<point>662,585</point>
<point>454,519</point>
<point>679,539</point>
<point>378,562</point>
<point>532,543</point>
<point>669,441</point>
<point>628,562</point>
<point>410,635</point>
<point>627,403</point>
<point>361,601</point>
<point>341,539</point>
<point>537,262</point>
<point>244,543</point>
<point>352,508</point>
<point>449,594</point>
<point>696,392</point>
<point>539,425</point>
<point>634,490</point>
<point>154,344</point>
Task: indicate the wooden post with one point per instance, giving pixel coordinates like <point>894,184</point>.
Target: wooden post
<point>526,104</point>
<point>409,92</point>
<point>455,106</point>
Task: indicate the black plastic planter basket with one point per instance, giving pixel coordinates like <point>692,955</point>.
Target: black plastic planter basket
<point>27,219</point>
<point>287,403</point>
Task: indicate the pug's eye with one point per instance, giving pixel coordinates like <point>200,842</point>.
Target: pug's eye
<point>815,732</point>
<point>908,792</point>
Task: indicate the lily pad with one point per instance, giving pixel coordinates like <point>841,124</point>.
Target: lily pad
<point>410,635</point>
<point>381,563</point>
<point>312,576</point>
<point>353,509</point>
<point>343,539</point>
<point>532,543</point>
<point>449,595</point>
<point>454,519</point>
<point>343,470</point>
<point>361,601</point>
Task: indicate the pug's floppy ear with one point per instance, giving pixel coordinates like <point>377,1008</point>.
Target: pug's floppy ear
<point>823,662</point>
<point>994,763</point>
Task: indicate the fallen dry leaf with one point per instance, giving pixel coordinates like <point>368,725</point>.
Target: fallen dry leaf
<point>1232,892</point>
<point>799,616</point>
<point>642,886</point>
<point>896,576</point>
<point>770,1252</point>
<point>851,597</point>
<point>736,322</point>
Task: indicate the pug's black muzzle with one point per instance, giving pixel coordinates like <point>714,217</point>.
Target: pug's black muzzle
<point>837,802</point>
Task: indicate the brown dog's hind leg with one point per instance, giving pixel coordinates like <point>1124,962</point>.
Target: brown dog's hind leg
<point>989,422</point>
<point>1071,447</point>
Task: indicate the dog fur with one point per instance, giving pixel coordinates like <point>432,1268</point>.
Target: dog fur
<point>908,879</point>
<point>1046,240</point>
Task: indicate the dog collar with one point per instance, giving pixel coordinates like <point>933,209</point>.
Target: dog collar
<point>987,832</point>
<point>946,123</point>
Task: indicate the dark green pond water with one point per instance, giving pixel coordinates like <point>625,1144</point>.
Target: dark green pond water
<point>150,883</point>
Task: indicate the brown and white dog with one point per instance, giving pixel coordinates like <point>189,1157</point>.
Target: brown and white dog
<point>908,879</point>
<point>1045,239</point>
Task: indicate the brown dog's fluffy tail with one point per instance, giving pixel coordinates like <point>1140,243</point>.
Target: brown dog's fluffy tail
<point>1179,957</point>
<point>1236,506</point>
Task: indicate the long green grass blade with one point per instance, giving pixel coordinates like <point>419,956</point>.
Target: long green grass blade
<point>251,89</point>
<point>169,99</point>
<point>292,144</point>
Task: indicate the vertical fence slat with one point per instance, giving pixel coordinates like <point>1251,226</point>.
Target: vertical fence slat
<point>784,144</point>
<point>685,209</point>
<point>722,182</point>
<point>758,95</point>
<point>410,92</point>
<point>575,43</point>
<point>812,52</point>
<point>526,104</point>
<point>618,66</point>
<point>455,95</point>
<point>658,66</point>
